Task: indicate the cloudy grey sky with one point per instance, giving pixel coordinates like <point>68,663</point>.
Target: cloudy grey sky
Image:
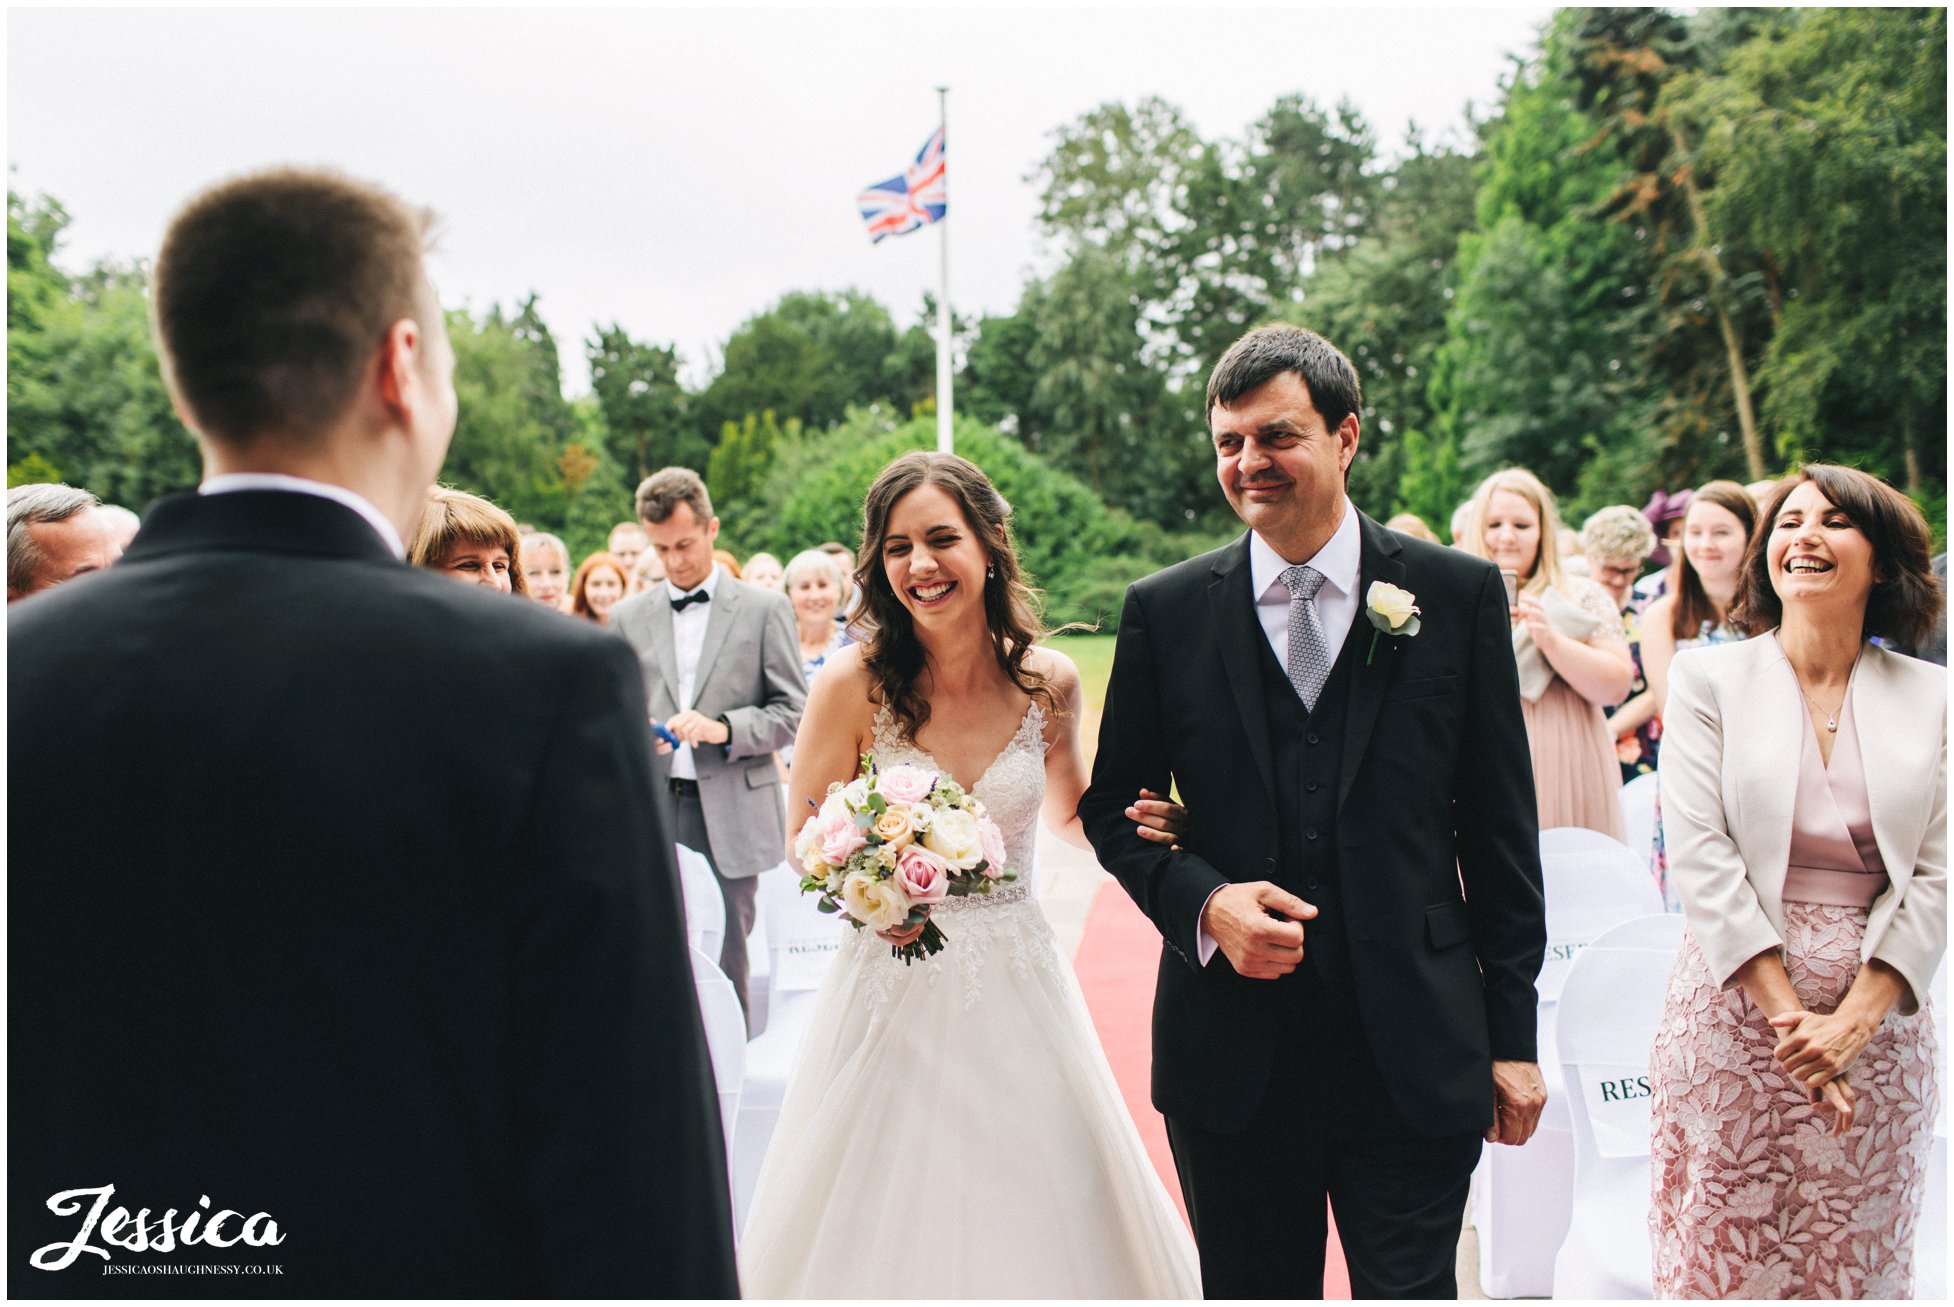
<point>676,170</point>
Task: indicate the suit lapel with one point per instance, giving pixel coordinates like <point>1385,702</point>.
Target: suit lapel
<point>657,620</point>
<point>1776,730</point>
<point>721,614</point>
<point>1369,672</point>
<point>1231,607</point>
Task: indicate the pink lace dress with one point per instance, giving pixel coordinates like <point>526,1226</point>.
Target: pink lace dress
<point>1753,1196</point>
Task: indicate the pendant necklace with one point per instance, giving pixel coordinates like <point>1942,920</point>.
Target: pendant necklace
<point>1831,716</point>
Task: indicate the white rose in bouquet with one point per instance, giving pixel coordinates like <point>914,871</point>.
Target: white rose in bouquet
<point>877,904</point>
<point>954,837</point>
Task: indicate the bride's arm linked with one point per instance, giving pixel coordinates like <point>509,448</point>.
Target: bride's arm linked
<point>1154,817</point>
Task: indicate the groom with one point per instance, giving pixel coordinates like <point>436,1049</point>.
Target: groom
<point>1354,921</point>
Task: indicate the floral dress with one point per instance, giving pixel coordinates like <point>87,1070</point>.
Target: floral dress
<point>1752,1195</point>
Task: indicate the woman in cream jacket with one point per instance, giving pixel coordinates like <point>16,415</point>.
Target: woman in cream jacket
<point>1804,784</point>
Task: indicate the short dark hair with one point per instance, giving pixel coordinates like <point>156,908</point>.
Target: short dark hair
<point>1906,600</point>
<point>1268,351</point>
<point>660,494</point>
<point>273,290</point>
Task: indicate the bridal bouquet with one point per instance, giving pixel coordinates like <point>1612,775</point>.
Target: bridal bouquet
<point>894,842</point>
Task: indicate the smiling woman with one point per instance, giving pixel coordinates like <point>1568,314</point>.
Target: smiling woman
<point>465,537</point>
<point>1804,790</point>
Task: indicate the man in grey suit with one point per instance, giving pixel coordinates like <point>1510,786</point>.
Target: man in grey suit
<point>722,670</point>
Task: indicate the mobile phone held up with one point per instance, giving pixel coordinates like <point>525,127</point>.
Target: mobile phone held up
<point>1511,580</point>
<point>662,732</point>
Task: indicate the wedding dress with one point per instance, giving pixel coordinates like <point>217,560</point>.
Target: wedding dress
<point>952,1129</point>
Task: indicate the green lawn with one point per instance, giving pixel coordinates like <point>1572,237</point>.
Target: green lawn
<point>1094,655</point>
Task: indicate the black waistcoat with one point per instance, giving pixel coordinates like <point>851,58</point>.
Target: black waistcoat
<point>1307,749</point>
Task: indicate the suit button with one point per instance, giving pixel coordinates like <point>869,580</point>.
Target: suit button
<point>1312,787</point>
<point>1313,738</point>
<point>1309,885</point>
<point>1310,834</point>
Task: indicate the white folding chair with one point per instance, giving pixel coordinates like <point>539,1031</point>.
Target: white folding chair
<point>1520,1195</point>
<point>1610,1007</point>
<point>705,906</point>
<point>803,943</point>
<point>1930,1239</point>
<point>1638,818</point>
<point>719,1008</point>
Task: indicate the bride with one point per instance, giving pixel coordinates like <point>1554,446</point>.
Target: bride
<point>952,1129</point>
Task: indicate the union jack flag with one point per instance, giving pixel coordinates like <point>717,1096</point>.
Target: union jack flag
<point>919,195</point>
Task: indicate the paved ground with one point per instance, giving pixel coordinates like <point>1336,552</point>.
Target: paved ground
<point>1068,879</point>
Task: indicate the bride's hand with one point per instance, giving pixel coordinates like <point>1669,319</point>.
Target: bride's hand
<point>1159,820</point>
<point>907,935</point>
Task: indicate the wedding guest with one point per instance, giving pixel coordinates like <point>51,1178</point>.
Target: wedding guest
<point>1933,648</point>
<point>763,570</point>
<point>1665,515</point>
<point>627,541</point>
<point>1461,524</point>
<point>727,559</point>
<point>648,573</point>
<point>1696,611</point>
<point>122,523</point>
<point>1805,775</point>
<point>1567,636</point>
<point>545,563</point>
<point>847,615</point>
<point>814,584</point>
<point>55,533</point>
<point>1616,540</point>
<point>722,674</point>
<point>469,539</point>
<point>1412,525</point>
<point>596,588</point>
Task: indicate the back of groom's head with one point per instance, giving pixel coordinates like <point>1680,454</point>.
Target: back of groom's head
<point>271,293</point>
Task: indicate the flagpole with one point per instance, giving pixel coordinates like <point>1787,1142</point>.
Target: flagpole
<point>944,440</point>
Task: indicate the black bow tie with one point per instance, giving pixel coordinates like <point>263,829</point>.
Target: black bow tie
<point>698,596</point>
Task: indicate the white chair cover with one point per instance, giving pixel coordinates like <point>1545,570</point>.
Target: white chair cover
<point>1638,818</point>
<point>802,943</point>
<point>719,1008</point>
<point>1609,1009</point>
<point>1521,1195</point>
<point>705,906</point>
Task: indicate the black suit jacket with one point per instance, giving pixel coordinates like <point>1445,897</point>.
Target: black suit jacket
<point>1435,795</point>
<point>338,892</point>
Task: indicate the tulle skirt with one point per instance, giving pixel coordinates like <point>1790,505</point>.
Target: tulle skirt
<point>952,1130</point>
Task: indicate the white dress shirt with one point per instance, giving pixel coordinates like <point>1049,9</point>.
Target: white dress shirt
<point>229,482</point>
<point>688,641</point>
<point>1340,560</point>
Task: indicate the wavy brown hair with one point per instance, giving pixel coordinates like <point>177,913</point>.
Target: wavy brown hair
<point>891,651</point>
<point>1906,600</point>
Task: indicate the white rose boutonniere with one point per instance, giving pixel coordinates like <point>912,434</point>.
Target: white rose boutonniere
<point>1392,611</point>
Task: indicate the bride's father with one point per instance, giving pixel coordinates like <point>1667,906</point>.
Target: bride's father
<point>1354,921</point>
<point>345,943</point>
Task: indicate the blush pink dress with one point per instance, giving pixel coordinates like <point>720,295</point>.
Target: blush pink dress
<point>1753,1196</point>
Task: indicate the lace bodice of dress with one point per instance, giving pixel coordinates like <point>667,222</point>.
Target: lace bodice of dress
<point>1012,790</point>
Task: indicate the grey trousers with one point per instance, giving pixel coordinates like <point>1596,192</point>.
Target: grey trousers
<point>738,892</point>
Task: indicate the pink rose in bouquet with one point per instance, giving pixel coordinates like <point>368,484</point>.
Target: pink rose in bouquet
<point>991,839</point>
<point>904,783</point>
<point>838,837</point>
<point>923,876</point>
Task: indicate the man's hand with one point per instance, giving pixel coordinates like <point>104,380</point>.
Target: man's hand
<point>695,729</point>
<point>1259,945</point>
<point>1519,1094</point>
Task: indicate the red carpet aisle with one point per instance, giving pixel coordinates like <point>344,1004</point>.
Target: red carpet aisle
<point>1115,964</point>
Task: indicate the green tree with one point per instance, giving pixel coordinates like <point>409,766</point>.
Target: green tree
<point>645,409</point>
